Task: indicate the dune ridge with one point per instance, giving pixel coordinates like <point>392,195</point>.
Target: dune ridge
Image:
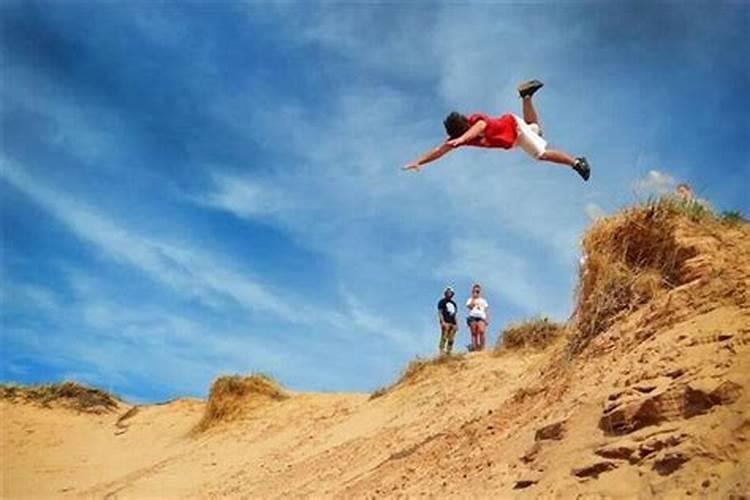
<point>643,393</point>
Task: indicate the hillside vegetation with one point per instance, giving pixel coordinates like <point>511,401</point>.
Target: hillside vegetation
<point>642,394</point>
<point>66,394</point>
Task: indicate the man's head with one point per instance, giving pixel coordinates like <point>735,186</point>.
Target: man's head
<point>448,292</point>
<point>476,289</point>
<point>455,124</point>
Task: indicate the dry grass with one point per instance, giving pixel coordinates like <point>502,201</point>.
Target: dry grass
<point>231,396</point>
<point>66,394</point>
<point>380,391</point>
<point>417,369</point>
<point>630,258</point>
<point>537,333</point>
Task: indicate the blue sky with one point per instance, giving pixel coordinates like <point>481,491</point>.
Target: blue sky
<point>191,189</point>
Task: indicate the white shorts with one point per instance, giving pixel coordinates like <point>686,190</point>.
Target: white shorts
<point>530,138</point>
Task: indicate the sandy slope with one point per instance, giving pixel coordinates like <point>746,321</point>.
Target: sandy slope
<point>458,431</point>
<point>310,443</point>
<point>656,406</point>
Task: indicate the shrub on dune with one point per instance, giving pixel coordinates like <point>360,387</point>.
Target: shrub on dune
<point>535,333</point>
<point>629,259</point>
<point>231,396</point>
<point>67,394</point>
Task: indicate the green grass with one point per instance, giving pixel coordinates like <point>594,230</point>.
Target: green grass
<point>693,209</point>
<point>733,217</point>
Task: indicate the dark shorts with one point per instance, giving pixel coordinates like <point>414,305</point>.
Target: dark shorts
<point>471,320</point>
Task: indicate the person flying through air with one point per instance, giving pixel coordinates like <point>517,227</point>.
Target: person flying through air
<point>506,132</point>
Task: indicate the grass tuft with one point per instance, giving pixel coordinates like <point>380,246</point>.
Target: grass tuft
<point>67,394</point>
<point>537,333</point>
<point>380,391</point>
<point>695,210</point>
<point>733,217</point>
<point>231,396</point>
<point>416,369</point>
<point>418,366</point>
<point>629,259</point>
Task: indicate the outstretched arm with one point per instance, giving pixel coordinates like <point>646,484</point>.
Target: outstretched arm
<point>473,132</point>
<point>428,157</point>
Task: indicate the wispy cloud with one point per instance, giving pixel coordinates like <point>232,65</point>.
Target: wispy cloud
<point>187,271</point>
<point>502,274</point>
<point>244,197</point>
<point>655,183</point>
<point>594,211</point>
<point>251,203</point>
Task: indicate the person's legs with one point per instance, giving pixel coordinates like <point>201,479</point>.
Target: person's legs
<point>480,335</point>
<point>474,342</point>
<point>560,157</point>
<point>580,165</point>
<point>529,113</point>
<point>443,331</point>
<point>530,140</point>
<point>451,334</point>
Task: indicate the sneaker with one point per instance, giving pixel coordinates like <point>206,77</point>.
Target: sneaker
<point>528,88</point>
<point>583,168</point>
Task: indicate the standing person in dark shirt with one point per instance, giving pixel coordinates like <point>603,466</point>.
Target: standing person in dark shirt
<point>447,310</point>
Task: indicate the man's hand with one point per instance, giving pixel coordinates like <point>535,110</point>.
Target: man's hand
<point>454,143</point>
<point>412,166</point>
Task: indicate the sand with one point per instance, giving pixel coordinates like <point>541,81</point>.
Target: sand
<point>657,406</point>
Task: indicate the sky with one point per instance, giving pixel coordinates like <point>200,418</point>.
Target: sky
<point>190,189</point>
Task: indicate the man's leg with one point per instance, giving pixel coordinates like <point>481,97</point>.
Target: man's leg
<point>560,157</point>
<point>451,335</point>
<point>529,113</point>
<point>580,165</point>
<point>442,337</point>
<point>533,143</point>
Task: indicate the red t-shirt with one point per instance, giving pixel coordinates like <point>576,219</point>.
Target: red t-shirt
<point>499,133</point>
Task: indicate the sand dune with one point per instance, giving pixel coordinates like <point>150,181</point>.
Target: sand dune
<point>655,406</point>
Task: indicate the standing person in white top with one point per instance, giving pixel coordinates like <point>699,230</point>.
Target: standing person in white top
<point>478,317</point>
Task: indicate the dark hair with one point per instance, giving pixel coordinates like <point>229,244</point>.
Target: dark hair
<point>455,124</point>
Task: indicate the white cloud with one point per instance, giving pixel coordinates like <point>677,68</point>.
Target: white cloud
<point>187,271</point>
<point>655,183</point>
<point>358,32</point>
<point>594,211</point>
<point>336,185</point>
<point>245,197</point>
<point>380,323</point>
<point>28,296</point>
<point>347,158</point>
<point>345,182</point>
<point>85,129</point>
<point>125,343</point>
